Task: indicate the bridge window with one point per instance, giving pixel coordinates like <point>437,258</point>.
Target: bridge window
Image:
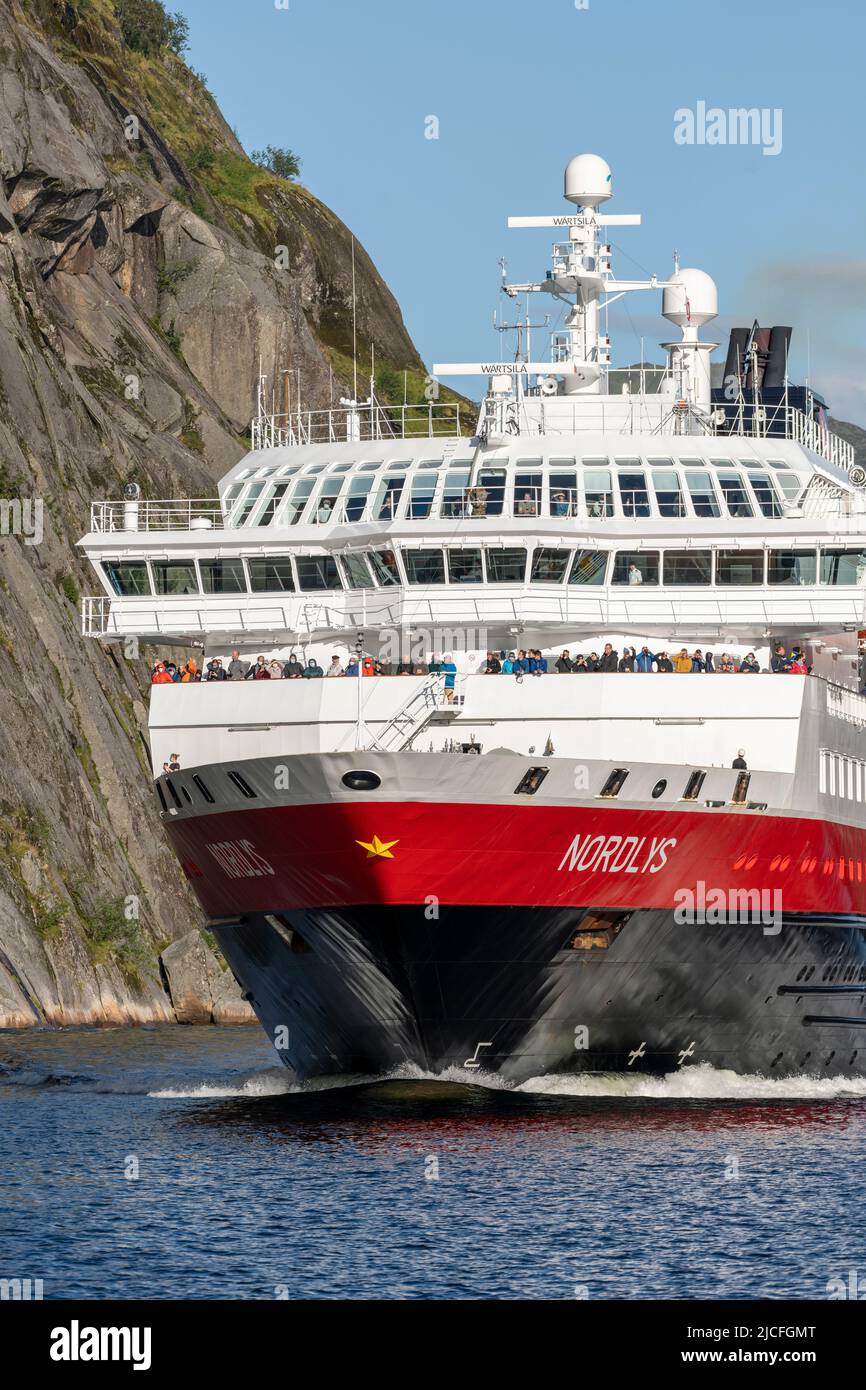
<point>465,567</point>
<point>702,492</point>
<point>562,489</point>
<point>633,494</point>
<point>668,492</point>
<point>253,494</point>
<point>326,502</point>
<point>763,489</point>
<point>549,566</point>
<point>359,490</point>
<point>687,567</point>
<point>388,497</point>
<point>843,566</point>
<point>635,567</point>
<point>222,576</point>
<point>791,567</point>
<point>269,510</point>
<point>488,498</point>
<point>454,497</point>
<point>599,493</point>
<point>174,577</point>
<point>356,572</point>
<point>506,566</point>
<point>423,492</point>
<point>734,492</point>
<point>128,578</point>
<point>272,575</point>
<point>527,494</point>
<point>424,566</point>
<point>317,572</point>
<point>300,498</point>
<point>740,567</point>
<point>385,569</point>
<point>588,567</point>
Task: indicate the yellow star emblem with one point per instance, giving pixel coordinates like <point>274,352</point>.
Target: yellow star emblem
<point>377,849</point>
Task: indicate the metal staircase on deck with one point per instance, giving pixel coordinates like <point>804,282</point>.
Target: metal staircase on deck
<point>413,716</point>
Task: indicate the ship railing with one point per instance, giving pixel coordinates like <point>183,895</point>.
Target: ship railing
<point>412,716</point>
<point>846,703</point>
<point>354,424</point>
<point>537,415</point>
<point>173,514</point>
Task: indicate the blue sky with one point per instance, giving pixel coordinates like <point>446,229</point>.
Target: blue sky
<point>518,88</point>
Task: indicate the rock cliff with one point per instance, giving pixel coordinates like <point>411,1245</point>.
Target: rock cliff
<point>146,265</point>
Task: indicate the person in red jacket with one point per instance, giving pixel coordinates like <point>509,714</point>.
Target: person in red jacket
<point>160,675</point>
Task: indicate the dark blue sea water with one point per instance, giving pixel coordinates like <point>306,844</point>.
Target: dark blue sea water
<point>704,1185</point>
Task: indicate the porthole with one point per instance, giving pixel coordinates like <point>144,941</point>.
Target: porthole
<point>361,780</point>
<point>659,788</point>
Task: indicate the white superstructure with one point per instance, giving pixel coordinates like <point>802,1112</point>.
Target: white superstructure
<point>586,504</point>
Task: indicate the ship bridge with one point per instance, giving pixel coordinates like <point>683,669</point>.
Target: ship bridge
<point>571,509</point>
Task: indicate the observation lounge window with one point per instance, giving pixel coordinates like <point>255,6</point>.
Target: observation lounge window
<point>763,489</point>
<point>424,566</point>
<point>635,567</point>
<point>549,566</point>
<point>299,500</point>
<point>527,494</point>
<point>384,566</point>
<point>633,494</point>
<point>843,566</point>
<point>506,566</point>
<point>271,575</point>
<point>734,493</point>
<point>669,495</point>
<point>588,567</point>
<point>317,572</point>
<point>562,489</point>
<point>465,567</point>
<point>599,493</point>
<point>356,572</point>
<point>222,576</point>
<point>791,567</point>
<point>454,501</point>
<point>174,577</point>
<point>488,497</point>
<point>269,510</point>
<point>128,578</point>
<point>388,498</point>
<point>421,498</point>
<point>740,567</point>
<point>356,501</point>
<point>687,567</point>
<point>702,492</point>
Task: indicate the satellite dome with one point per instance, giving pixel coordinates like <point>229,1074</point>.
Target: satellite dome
<point>588,181</point>
<point>691,299</point>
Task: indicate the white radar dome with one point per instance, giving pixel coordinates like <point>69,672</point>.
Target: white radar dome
<point>588,181</point>
<point>691,299</point>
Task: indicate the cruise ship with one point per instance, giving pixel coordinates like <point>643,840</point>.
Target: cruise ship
<point>478,874</point>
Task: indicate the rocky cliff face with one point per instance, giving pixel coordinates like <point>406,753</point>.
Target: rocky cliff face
<point>145,267</point>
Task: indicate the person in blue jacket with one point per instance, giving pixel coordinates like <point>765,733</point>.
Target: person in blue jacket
<point>645,660</point>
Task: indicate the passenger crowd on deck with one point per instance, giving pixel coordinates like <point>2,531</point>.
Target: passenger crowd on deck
<point>529,662</point>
